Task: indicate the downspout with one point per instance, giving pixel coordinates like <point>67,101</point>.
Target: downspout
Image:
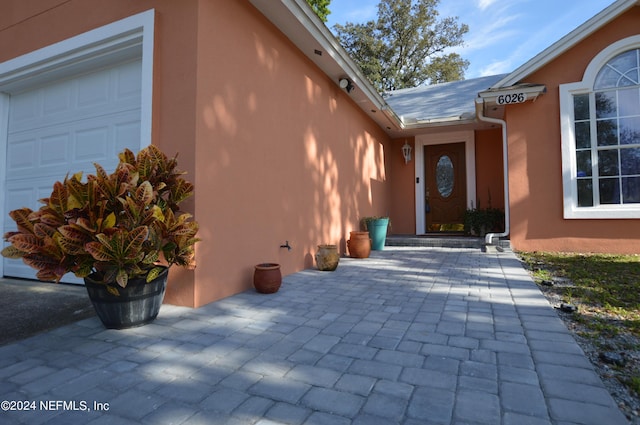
<point>505,163</point>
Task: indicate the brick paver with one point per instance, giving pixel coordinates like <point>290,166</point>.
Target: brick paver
<point>408,336</point>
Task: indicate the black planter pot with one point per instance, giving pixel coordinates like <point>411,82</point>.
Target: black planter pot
<point>138,304</point>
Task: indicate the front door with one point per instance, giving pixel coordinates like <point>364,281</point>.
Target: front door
<point>445,187</point>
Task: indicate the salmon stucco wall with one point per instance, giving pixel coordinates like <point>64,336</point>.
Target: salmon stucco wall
<point>282,153</point>
<point>403,204</point>
<point>535,168</point>
<point>489,169</point>
<point>276,150</point>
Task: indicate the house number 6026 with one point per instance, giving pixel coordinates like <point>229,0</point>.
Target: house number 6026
<point>505,99</point>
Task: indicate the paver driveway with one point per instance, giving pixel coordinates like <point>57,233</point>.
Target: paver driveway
<point>408,336</point>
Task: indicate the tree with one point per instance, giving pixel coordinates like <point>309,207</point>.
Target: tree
<point>406,46</point>
<point>321,7</point>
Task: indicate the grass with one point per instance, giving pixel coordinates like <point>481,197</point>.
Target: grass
<point>606,290</point>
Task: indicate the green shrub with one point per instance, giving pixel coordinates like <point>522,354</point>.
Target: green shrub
<point>480,221</point>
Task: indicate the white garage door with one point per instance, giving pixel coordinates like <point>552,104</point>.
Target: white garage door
<point>64,127</point>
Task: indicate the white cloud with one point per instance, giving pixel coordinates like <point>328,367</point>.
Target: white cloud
<point>497,67</point>
<point>482,35</point>
<point>484,4</point>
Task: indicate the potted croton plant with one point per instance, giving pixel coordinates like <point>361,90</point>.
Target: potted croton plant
<point>120,232</point>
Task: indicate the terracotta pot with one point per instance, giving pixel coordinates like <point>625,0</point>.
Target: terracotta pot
<point>327,257</point>
<point>359,244</point>
<point>267,278</point>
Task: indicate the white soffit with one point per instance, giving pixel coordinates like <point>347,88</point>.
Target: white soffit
<point>302,26</point>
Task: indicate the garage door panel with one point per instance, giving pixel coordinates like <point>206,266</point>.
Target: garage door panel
<point>103,92</point>
<point>24,109</point>
<point>22,196</point>
<point>56,100</point>
<point>21,154</point>
<point>51,152</point>
<point>69,117</point>
<point>54,150</point>
<point>92,145</point>
<point>93,90</point>
<point>127,134</point>
<point>128,80</point>
<point>63,128</point>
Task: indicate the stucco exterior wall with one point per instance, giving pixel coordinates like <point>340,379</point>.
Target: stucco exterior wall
<point>277,152</point>
<point>403,202</point>
<point>282,153</point>
<point>489,169</point>
<point>535,168</point>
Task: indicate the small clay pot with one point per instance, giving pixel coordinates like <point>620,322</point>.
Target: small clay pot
<point>359,244</point>
<point>327,257</point>
<point>267,278</point>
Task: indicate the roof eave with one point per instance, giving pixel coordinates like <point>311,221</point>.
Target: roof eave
<point>529,92</point>
<point>302,26</point>
<point>567,42</point>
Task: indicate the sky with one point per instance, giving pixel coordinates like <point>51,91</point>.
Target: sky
<point>503,34</point>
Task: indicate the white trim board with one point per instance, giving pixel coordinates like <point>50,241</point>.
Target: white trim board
<point>468,137</point>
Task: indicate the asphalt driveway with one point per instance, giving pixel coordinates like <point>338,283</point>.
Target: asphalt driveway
<point>29,307</point>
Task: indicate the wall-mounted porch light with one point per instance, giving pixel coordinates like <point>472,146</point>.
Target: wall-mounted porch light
<point>346,84</point>
<point>406,152</point>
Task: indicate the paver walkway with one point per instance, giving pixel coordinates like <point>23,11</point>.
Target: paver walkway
<point>410,336</point>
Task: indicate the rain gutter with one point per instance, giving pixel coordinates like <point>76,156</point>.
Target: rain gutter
<point>505,163</point>
<point>518,93</point>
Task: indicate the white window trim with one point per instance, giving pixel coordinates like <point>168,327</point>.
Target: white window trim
<point>470,158</point>
<point>569,167</point>
<point>132,37</point>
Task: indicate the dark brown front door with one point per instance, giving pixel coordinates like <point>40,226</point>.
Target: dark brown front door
<point>445,187</point>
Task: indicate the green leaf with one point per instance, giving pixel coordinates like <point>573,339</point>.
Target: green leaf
<point>72,233</point>
<point>26,243</point>
<point>109,221</point>
<point>99,251</point>
<point>58,198</point>
<point>21,217</point>
<point>122,278</point>
<point>113,290</point>
<point>12,252</point>
<point>136,238</point>
<point>154,273</point>
<point>144,193</point>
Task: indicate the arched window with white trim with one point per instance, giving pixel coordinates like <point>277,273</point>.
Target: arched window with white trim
<point>601,137</point>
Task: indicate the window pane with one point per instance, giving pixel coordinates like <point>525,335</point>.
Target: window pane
<point>583,135</point>
<point>585,193</point>
<point>609,191</point>
<point>608,163</point>
<point>629,131</point>
<point>445,176</point>
<point>606,78</point>
<point>607,132</point>
<point>619,71</point>
<point>629,102</point>
<point>581,107</point>
<point>606,104</point>
<point>630,161</point>
<point>583,160</point>
<point>631,190</point>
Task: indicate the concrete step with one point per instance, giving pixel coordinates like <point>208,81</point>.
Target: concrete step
<point>438,241</point>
